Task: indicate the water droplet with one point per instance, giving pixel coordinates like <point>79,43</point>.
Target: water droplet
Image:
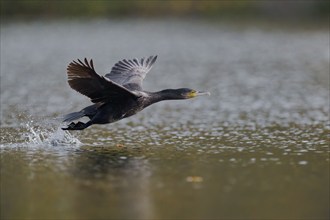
<point>303,162</point>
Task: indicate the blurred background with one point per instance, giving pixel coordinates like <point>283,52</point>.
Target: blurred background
<point>297,10</point>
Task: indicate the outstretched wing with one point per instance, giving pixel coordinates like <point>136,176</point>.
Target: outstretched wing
<point>130,73</point>
<point>83,78</point>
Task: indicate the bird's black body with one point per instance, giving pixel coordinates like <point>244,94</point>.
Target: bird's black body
<point>117,95</point>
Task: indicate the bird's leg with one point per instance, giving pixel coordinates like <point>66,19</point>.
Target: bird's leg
<point>70,126</point>
<point>77,126</point>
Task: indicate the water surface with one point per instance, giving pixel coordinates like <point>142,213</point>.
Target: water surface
<point>256,148</point>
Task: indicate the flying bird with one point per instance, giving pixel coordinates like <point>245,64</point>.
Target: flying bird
<point>118,94</point>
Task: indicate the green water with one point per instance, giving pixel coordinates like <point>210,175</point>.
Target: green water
<point>257,148</point>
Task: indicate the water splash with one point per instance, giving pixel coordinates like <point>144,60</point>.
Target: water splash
<point>53,137</point>
<point>36,132</point>
<point>38,135</point>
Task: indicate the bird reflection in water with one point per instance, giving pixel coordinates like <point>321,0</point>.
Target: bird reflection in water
<point>105,171</point>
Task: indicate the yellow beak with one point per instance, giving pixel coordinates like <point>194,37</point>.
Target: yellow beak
<point>193,94</point>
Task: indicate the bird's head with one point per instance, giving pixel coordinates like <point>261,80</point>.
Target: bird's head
<point>186,93</point>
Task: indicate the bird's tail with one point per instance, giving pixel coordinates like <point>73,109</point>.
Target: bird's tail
<point>73,116</point>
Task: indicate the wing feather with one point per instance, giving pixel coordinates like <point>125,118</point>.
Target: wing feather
<point>83,78</point>
<point>130,73</point>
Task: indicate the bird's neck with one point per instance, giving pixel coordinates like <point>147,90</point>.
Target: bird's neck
<point>167,94</point>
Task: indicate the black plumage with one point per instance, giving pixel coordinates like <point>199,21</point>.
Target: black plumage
<point>118,94</point>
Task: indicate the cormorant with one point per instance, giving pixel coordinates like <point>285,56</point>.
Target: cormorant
<point>118,94</point>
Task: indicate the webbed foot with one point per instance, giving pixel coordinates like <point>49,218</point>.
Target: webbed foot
<point>76,126</point>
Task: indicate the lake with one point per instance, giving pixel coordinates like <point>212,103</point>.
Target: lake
<point>257,148</point>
